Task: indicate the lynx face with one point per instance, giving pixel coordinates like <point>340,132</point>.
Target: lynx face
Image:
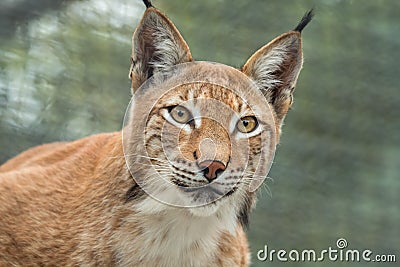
<point>200,139</point>
<point>202,135</point>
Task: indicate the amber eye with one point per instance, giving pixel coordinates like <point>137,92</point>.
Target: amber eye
<point>180,114</point>
<point>247,124</point>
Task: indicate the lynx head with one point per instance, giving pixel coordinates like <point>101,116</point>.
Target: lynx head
<point>202,135</point>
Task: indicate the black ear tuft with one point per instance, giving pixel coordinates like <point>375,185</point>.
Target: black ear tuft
<point>305,20</point>
<point>147,3</point>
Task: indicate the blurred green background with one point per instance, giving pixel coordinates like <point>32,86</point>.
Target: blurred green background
<point>64,75</point>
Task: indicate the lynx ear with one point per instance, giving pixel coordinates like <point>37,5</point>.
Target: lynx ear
<point>276,66</point>
<point>156,45</point>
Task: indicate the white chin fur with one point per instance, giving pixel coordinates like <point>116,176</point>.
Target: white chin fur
<point>204,211</point>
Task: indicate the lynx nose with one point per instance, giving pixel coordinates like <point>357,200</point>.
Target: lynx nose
<point>211,169</point>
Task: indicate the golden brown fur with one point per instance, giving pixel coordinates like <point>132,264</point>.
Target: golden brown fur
<point>51,198</point>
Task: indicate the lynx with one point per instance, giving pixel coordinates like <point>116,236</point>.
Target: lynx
<point>175,187</point>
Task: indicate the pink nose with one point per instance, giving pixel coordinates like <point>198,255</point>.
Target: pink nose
<point>211,169</point>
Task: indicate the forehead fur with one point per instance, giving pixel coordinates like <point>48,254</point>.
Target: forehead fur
<point>194,92</point>
<point>201,80</point>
